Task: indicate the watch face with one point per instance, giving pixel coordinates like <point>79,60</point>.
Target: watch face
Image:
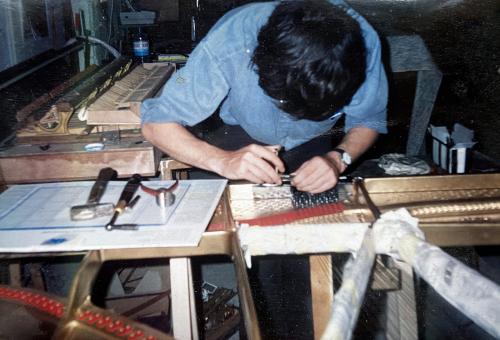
<point>346,158</point>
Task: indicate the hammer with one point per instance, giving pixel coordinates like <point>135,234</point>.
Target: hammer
<point>93,209</point>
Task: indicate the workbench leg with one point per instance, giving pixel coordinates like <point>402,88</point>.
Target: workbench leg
<point>183,304</point>
<point>401,310</point>
<point>192,302</point>
<point>15,274</point>
<point>321,291</point>
<point>37,277</point>
<point>169,165</point>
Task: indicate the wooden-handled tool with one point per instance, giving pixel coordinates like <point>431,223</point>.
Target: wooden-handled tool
<point>126,199</point>
<point>93,209</point>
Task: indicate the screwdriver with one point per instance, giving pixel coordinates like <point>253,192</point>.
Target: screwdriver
<point>125,201</point>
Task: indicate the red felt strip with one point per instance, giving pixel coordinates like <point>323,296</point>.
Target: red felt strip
<point>295,215</point>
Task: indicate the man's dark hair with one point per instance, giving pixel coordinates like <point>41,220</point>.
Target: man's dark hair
<point>310,58</point>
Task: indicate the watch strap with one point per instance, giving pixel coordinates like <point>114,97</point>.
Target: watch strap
<point>339,150</point>
<point>344,156</point>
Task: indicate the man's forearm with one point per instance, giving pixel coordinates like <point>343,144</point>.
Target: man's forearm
<point>255,163</point>
<point>357,141</point>
<point>175,140</point>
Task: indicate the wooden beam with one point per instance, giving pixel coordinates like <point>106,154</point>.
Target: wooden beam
<point>321,291</point>
<point>183,311</point>
<point>64,162</point>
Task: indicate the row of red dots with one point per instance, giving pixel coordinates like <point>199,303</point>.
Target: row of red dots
<point>37,301</point>
<point>117,327</point>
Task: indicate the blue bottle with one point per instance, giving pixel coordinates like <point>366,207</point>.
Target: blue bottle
<point>141,47</point>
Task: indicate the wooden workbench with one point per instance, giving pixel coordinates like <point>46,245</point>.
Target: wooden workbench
<point>221,239</point>
<point>69,160</point>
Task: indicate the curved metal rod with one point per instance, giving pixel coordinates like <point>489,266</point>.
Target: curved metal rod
<point>156,192</point>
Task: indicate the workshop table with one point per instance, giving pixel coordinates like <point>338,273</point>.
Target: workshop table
<point>221,238</point>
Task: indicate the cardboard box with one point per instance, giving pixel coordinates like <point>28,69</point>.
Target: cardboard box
<point>452,151</point>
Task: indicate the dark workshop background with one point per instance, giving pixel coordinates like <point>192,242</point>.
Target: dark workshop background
<point>463,37</point>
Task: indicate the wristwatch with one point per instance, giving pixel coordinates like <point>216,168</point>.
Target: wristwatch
<point>344,156</point>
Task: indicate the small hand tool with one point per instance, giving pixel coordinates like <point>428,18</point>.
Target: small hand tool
<point>164,196</point>
<point>286,178</point>
<point>93,209</point>
<point>126,200</point>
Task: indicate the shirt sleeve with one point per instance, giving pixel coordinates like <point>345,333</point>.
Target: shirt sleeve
<point>368,107</point>
<point>192,94</point>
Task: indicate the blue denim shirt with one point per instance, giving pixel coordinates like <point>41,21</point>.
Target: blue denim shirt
<point>219,73</point>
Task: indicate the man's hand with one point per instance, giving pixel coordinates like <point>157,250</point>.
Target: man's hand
<point>318,174</point>
<point>321,173</point>
<point>255,163</point>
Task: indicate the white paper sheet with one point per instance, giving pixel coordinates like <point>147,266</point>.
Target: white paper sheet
<point>36,217</point>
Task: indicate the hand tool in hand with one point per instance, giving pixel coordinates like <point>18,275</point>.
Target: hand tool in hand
<point>286,178</point>
<point>164,196</point>
<point>93,209</point>
<point>125,200</point>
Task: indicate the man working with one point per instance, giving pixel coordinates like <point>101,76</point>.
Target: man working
<point>280,74</point>
<point>284,72</point>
